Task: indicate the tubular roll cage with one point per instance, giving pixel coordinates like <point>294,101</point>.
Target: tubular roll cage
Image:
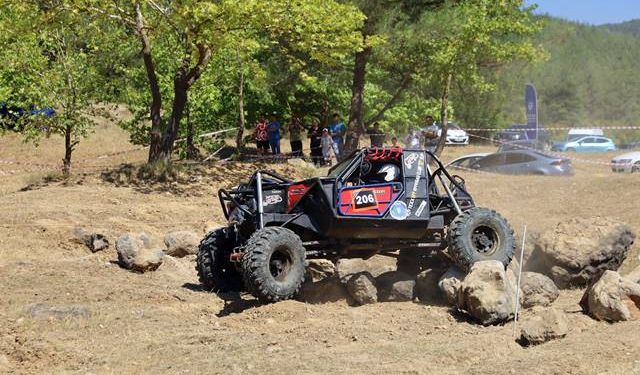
<point>226,196</point>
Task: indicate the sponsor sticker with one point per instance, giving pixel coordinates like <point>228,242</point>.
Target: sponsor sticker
<point>398,211</point>
<point>421,208</point>
<point>272,199</point>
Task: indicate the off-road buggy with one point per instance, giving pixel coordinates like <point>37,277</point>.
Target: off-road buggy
<point>386,201</point>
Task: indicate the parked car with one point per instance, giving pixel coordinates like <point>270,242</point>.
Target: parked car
<point>586,144</point>
<point>629,162</point>
<point>10,115</point>
<point>524,145</point>
<point>524,162</point>
<point>467,161</point>
<point>577,133</point>
<point>521,132</point>
<point>630,146</point>
<point>455,135</point>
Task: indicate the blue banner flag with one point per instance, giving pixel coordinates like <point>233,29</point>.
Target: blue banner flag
<point>531,106</point>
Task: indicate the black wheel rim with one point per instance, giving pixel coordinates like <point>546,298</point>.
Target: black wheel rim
<point>485,240</point>
<point>280,263</point>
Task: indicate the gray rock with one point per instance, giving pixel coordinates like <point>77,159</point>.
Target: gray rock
<point>94,241</point>
<point>579,249</point>
<point>544,325</point>
<point>427,289</point>
<point>612,298</point>
<point>181,243</point>
<point>487,294</point>
<point>135,253</point>
<point>46,311</point>
<point>362,288</point>
<point>147,260</point>
<point>395,287</point>
<point>327,290</point>
<point>537,290</point>
<point>449,284</point>
<point>347,267</point>
<point>319,269</point>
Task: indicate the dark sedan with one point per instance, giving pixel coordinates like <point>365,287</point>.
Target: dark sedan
<point>524,162</point>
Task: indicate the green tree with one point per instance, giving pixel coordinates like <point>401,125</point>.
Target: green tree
<point>194,31</point>
<point>48,66</point>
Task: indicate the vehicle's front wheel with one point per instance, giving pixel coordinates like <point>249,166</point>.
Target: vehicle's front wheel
<point>215,270</point>
<point>636,167</point>
<point>273,264</point>
<point>480,234</point>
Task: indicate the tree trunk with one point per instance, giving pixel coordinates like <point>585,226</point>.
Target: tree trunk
<point>180,99</point>
<point>241,119</point>
<point>155,136</point>
<point>444,115</point>
<point>68,149</point>
<point>355,128</point>
<point>191,151</point>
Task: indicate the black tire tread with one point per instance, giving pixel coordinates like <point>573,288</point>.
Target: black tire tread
<point>255,257</point>
<point>209,264</point>
<point>458,229</point>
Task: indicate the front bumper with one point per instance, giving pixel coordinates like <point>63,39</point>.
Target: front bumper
<point>458,140</point>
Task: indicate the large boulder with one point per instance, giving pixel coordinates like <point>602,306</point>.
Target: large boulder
<point>578,249</point>
<point>181,243</point>
<point>537,290</point>
<point>449,284</point>
<point>362,288</point>
<point>319,269</point>
<point>395,287</point>
<point>487,293</point>
<point>612,298</point>
<point>135,253</point>
<point>427,288</point>
<point>545,324</point>
<point>345,268</point>
<point>327,290</point>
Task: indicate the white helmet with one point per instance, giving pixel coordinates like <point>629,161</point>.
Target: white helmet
<point>389,172</point>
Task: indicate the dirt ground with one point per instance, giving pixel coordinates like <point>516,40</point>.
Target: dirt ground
<point>162,322</point>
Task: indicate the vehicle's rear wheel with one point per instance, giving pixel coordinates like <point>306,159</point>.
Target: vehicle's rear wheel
<point>215,270</point>
<point>636,167</point>
<point>480,234</point>
<point>273,264</point>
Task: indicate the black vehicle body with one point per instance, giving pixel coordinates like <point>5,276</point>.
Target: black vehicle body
<point>388,201</point>
<point>318,211</point>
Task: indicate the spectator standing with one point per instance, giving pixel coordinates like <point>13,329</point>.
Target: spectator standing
<point>273,130</point>
<point>315,142</point>
<point>431,134</point>
<point>376,135</point>
<point>412,141</point>
<point>394,143</point>
<point>327,145</point>
<point>295,135</point>
<point>337,130</point>
<point>261,136</point>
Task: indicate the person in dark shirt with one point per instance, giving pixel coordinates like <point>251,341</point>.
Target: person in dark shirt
<point>315,135</point>
<point>376,135</point>
<point>273,129</point>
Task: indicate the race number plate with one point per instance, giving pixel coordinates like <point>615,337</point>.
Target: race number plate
<point>364,199</point>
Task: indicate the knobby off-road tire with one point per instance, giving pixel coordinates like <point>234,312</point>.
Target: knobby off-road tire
<point>480,234</point>
<point>215,270</point>
<point>273,264</point>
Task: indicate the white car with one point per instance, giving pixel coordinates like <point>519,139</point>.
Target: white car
<point>629,162</point>
<point>455,135</point>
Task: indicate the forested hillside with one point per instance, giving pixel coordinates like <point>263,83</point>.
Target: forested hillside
<point>590,76</point>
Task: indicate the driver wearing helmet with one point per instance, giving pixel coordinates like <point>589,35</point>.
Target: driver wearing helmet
<point>388,173</point>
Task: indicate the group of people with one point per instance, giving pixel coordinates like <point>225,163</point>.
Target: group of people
<point>322,142</point>
<point>328,142</point>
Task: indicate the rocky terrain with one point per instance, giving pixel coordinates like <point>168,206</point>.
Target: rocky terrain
<point>98,277</point>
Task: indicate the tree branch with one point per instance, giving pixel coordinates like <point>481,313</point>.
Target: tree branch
<point>406,80</point>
